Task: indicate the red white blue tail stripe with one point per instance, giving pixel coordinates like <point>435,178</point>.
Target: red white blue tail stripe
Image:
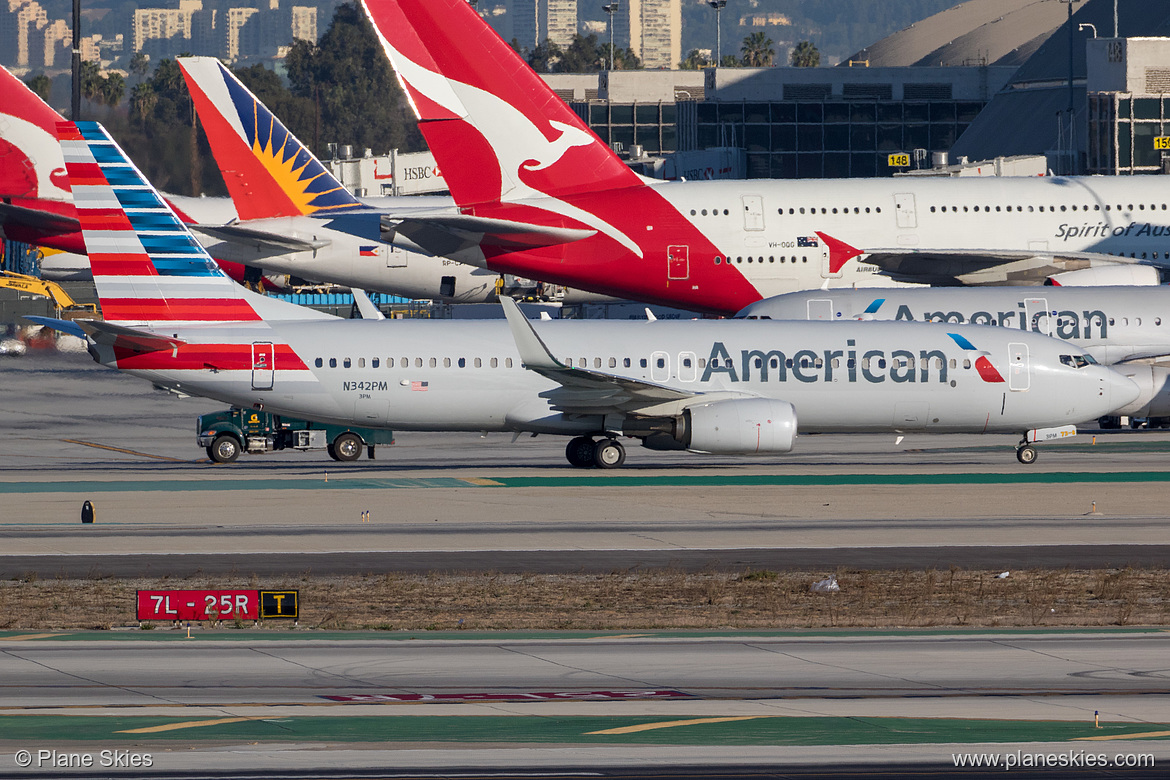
<point>147,266</point>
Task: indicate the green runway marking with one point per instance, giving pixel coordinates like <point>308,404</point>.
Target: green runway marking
<point>217,485</point>
<point>767,730</point>
<point>745,480</point>
<point>304,635</point>
<point>589,480</point>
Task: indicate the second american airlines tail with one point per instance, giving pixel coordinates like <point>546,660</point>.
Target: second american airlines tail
<point>512,151</point>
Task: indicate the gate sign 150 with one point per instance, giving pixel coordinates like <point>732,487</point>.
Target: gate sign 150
<point>216,604</point>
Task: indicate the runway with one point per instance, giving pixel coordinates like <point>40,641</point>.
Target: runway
<point>605,700</point>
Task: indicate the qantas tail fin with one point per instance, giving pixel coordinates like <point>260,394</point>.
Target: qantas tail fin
<point>268,172</point>
<point>30,157</point>
<point>498,132</point>
<point>149,270</point>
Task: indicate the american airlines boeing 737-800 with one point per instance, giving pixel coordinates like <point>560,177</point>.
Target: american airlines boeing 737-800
<point>728,386</point>
<point>519,161</point>
<point>1126,327</point>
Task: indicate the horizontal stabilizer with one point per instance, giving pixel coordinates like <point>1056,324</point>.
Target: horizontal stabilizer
<point>122,337</point>
<point>260,239</point>
<point>447,229</point>
<point>64,326</point>
<point>37,219</point>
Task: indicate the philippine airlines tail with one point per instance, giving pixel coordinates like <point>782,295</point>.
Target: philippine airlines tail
<point>498,132</point>
<point>268,172</point>
<point>149,270</point>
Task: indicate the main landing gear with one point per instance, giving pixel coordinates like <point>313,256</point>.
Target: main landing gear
<point>585,453</point>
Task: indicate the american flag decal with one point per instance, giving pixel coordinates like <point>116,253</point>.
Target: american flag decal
<point>807,241</point>
<point>419,386</point>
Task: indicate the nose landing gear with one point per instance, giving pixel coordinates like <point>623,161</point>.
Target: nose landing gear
<point>1026,454</point>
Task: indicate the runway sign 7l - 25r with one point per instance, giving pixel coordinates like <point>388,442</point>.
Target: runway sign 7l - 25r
<point>216,604</point>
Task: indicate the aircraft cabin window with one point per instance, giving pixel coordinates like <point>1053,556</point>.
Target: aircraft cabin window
<point>834,210</point>
<point>932,209</point>
<point>613,362</point>
<point>597,362</point>
<point>642,363</point>
<point>692,212</point>
<point>434,362</point>
<point>954,363</point>
<point>1141,207</point>
<point>1110,320</point>
<point>418,362</point>
<point>867,209</point>
<point>802,209</point>
<point>976,208</point>
<point>625,362</point>
<point>759,363</point>
<point>333,362</point>
<point>836,362</point>
<point>463,362</point>
<point>318,362</point>
<point>718,260</point>
<point>661,362</point>
<point>997,209</point>
<point>346,363</point>
<point>569,362</point>
<point>1062,208</point>
<point>389,362</point>
<point>686,362</point>
<point>702,362</point>
<point>374,363</point>
<point>725,212</point>
<point>728,363</point>
<point>1137,321</point>
<point>1157,320</point>
<point>584,363</point>
<point>507,362</point>
<point>856,210</point>
<point>361,362</point>
<point>966,363</point>
<point>495,362</point>
<point>804,259</point>
<point>1041,209</point>
<point>704,212</point>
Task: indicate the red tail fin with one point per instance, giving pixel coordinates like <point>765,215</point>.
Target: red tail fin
<point>498,132</point>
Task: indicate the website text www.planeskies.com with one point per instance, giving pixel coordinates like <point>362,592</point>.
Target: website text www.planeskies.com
<point>1068,759</point>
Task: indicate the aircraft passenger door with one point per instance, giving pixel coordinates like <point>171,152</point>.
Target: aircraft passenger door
<point>395,256</point>
<point>827,271</point>
<point>678,263</point>
<point>820,309</point>
<point>687,367</point>
<point>1019,374</point>
<point>263,365</point>
<point>660,367</point>
<point>904,210</point>
<point>753,212</point>
<point>1037,315</point>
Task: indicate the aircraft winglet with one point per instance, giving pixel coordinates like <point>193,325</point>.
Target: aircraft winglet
<point>533,352</point>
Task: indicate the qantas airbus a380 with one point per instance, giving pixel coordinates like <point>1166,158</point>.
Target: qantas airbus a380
<point>519,161</point>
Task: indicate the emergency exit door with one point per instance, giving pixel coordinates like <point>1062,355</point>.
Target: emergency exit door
<point>753,212</point>
<point>263,365</point>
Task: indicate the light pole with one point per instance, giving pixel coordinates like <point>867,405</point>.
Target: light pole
<point>718,5</point>
<point>1071,124</point>
<point>610,10</point>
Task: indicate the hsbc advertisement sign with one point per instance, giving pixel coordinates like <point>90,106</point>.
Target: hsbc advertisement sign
<point>416,173</point>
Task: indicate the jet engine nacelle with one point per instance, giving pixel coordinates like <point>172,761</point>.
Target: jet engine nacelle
<point>1154,382</point>
<point>1107,276</point>
<point>741,426</point>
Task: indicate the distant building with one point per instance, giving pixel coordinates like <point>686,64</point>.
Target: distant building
<point>534,21</point>
<point>51,46</point>
<point>239,37</point>
<point>1129,105</point>
<point>24,18</point>
<point>652,29</point>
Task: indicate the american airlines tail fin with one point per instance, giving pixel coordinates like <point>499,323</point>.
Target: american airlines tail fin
<point>149,270</point>
<point>268,171</point>
<point>30,157</point>
<point>498,132</point>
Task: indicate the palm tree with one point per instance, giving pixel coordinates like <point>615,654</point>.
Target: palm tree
<point>694,61</point>
<point>113,90</point>
<point>41,84</point>
<point>805,55</point>
<point>757,51</point>
<point>142,101</point>
<point>139,64</point>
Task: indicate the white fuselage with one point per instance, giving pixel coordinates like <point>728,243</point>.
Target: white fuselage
<point>454,375</point>
<point>760,225</point>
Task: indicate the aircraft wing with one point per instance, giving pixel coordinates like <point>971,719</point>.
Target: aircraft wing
<point>446,232</point>
<point>585,391</point>
<point>37,219</point>
<point>261,240</point>
<point>942,267</point>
